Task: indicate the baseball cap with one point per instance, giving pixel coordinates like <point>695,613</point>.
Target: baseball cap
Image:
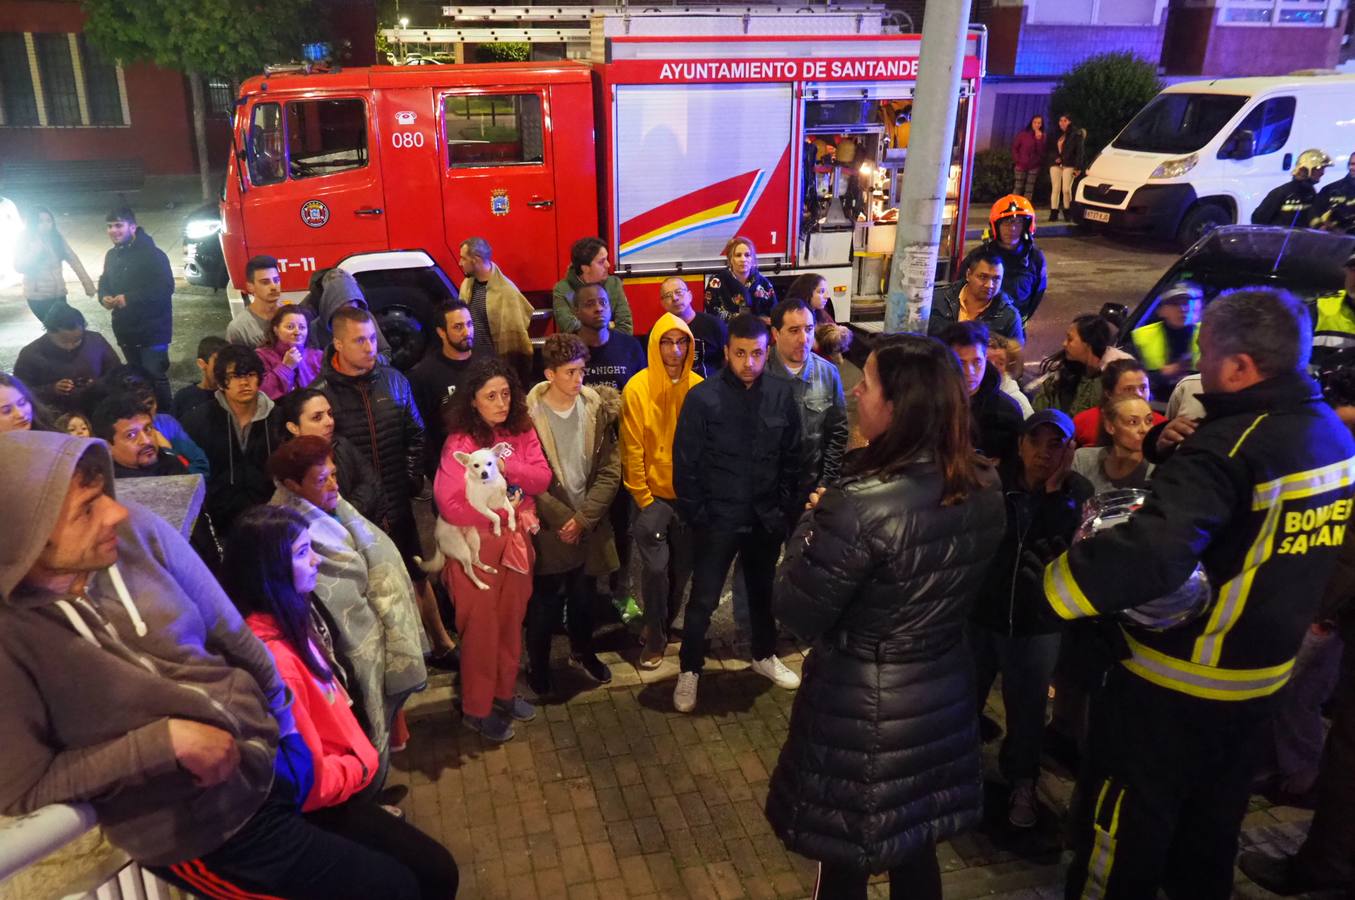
<point>1058,418</point>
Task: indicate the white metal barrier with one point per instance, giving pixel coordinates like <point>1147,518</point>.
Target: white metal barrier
<point>26,841</point>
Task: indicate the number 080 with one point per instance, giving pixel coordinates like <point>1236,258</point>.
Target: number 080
<point>404,139</point>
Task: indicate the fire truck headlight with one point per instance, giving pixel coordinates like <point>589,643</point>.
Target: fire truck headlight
<point>198,229</point>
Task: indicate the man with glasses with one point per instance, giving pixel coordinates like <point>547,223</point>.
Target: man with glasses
<point>235,430</point>
<point>708,332</point>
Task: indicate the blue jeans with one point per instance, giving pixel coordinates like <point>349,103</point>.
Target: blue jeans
<point>1027,666</point>
<point>154,358</point>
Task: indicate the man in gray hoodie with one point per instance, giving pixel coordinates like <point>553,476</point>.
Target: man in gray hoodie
<point>132,684</point>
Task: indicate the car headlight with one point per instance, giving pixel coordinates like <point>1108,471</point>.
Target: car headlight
<point>1174,168</point>
<point>202,228</point>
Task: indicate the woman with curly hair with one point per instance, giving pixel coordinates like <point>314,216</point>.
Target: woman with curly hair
<point>490,411</point>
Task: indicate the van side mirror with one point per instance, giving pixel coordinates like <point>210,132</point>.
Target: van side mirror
<point>1240,145</point>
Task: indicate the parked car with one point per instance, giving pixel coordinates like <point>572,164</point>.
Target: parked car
<point>1305,262</point>
<point>203,262</point>
<point>1205,153</point>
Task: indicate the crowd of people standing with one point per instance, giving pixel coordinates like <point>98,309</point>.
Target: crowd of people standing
<point>945,551</point>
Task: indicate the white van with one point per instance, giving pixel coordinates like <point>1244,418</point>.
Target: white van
<point>1205,153</point>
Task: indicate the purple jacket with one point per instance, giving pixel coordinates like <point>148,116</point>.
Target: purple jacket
<point>279,379</point>
<point>1028,150</point>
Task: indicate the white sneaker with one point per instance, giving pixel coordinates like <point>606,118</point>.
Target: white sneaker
<point>684,695</point>
<point>775,671</point>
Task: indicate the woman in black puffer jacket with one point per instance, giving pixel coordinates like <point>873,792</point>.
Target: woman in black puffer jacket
<point>882,760</point>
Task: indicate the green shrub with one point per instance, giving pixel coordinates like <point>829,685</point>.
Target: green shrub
<point>1102,94</point>
<point>503,51</point>
<point>992,175</point>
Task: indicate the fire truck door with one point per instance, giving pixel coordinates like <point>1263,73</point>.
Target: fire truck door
<point>314,186</point>
<point>499,179</point>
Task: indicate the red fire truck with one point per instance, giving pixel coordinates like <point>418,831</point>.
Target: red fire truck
<point>665,150</point>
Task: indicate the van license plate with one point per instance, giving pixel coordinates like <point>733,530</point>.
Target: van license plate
<point>1095,215</point>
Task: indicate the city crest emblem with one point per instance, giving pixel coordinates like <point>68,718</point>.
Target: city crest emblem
<point>314,213</point>
<point>498,202</point>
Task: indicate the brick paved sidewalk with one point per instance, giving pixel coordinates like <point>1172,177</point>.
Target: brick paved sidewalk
<point>611,794</point>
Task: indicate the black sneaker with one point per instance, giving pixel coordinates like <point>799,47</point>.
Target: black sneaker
<point>1281,875</point>
<point>596,668</point>
<point>445,660</point>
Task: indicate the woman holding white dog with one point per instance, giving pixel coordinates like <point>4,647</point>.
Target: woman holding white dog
<point>490,410</point>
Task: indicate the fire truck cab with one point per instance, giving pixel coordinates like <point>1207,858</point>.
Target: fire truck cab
<point>666,149</point>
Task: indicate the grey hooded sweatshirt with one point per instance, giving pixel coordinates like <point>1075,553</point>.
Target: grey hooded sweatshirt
<point>338,288</point>
<point>89,682</point>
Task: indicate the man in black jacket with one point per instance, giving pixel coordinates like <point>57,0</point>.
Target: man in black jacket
<point>1334,209</point>
<point>138,286</point>
<point>235,430</point>
<point>1011,235</point>
<point>977,297</point>
<point>996,417</point>
<point>1260,495</point>
<point>736,472</point>
<point>1013,630</point>
<point>440,373</point>
<point>374,408</point>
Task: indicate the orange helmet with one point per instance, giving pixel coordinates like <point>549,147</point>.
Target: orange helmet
<point>1009,206</point>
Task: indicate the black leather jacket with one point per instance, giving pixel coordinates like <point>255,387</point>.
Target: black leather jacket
<point>376,411</point>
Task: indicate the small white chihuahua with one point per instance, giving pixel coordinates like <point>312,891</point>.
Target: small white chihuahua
<point>487,492</point>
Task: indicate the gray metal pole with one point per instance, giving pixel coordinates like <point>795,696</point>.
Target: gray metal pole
<point>945,24</point>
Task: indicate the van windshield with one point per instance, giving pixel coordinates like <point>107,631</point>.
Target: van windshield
<point>1178,123</point>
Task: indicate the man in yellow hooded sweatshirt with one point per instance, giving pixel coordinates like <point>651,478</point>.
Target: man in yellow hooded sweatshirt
<point>649,413</point>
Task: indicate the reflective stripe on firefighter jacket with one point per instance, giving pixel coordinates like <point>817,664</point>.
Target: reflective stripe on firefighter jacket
<point>1335,321</point>
<point>1151,343</point>
<point>1261,494</point>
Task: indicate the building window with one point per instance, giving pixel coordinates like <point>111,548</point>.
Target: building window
<point>57,80</point>
<point>18,103</point>
<point>59,94</point>
<point>1287,13</point>
<point>103,86</point>
<point>220,98</point>
<point>1095,12</point>
<point>493,130</point>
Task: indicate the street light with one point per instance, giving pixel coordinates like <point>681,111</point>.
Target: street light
<point>404,23</point>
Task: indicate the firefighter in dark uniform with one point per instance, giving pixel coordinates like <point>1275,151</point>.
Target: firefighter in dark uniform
<point>1291,204</point>
<point>1260,495</point>
<point>1334,209</point>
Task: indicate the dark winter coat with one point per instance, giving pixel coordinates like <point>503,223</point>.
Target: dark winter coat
<point>1012,600</point>
<point>140,271</point>
<point>997,417</point>
<point>41,364</point>
<point>736,455</point>
<point>358,482</point>
<point>883,751</point>
<point>1025,276</point>
<point>377,412</point>
<point>1000,316</point>
<point>238,479</point>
